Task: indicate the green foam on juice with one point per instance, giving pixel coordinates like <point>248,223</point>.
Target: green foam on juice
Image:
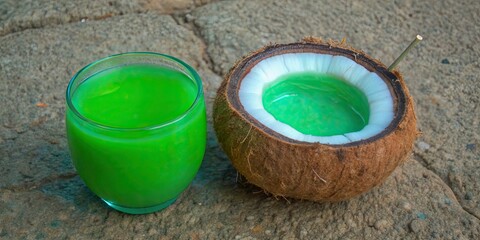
<point>135,96</point>
<point>317,104</point>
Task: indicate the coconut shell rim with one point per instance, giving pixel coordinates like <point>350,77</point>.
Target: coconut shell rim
<point>242,67</point>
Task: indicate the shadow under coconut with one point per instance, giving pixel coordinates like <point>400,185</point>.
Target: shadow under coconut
<point>218,175</point>
<point>219,171</point>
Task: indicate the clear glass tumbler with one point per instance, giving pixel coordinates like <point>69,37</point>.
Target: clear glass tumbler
<point>136,127</point>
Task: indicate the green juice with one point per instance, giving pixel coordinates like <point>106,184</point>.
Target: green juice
<point>144,139</point>
<point>317,104</point>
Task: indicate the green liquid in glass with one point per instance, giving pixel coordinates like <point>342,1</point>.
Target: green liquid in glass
<point>139,168</point>
<point>135,96</point>
<point>317,104</point>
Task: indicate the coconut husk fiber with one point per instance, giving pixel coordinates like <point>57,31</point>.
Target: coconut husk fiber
<point>312,171</point>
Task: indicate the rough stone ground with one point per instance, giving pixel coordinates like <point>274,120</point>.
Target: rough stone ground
<point>435,195</point>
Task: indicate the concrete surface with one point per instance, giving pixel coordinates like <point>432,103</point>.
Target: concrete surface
<point>435,195</point>
<point>17,15</point>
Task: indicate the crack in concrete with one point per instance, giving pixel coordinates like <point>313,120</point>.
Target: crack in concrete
<point>206,55</point>
<point>182,20</point>
<point>28,186</point>
<point>420,159</point>
<point>471,212</point>
<point>105,16</point>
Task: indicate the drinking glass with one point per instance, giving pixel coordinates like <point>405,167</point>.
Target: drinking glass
<point>136,128</point>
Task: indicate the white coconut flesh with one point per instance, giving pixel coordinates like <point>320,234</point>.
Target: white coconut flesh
<point>268,70</point>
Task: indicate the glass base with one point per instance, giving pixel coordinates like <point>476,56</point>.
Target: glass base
<point>144,210</point>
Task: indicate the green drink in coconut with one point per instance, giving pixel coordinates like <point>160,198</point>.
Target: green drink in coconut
<point>314,120</point>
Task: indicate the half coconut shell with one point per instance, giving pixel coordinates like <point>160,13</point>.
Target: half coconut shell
<point>312,171</point>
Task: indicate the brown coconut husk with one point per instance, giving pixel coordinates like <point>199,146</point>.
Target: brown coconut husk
<point>312,171</point>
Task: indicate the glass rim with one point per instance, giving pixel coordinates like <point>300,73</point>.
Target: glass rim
<point>190,70</point>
